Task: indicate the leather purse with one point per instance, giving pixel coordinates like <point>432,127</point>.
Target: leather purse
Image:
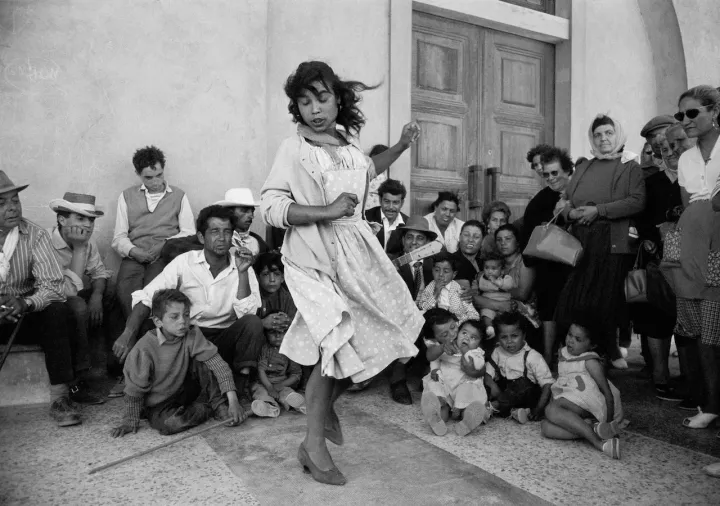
<point>553,243</point>
<point>636,283</point>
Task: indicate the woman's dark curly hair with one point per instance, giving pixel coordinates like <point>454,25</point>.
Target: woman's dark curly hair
<point>561,156</point>
<point>347,92</point>
<point>537,150</point>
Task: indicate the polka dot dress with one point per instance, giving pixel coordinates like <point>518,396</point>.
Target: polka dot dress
<point>362,321</point>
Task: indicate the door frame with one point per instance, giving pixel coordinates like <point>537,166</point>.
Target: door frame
<point>492,14</point>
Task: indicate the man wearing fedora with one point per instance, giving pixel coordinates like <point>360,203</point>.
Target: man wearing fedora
<point>31,295</point>
<point>241,201</point>
<point>79,258</point>
<point>147,215</point>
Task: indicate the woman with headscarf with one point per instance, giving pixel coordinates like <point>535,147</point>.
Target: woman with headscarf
<point>602,197</point>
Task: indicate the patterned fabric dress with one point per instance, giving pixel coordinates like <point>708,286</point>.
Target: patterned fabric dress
<point>575,384</point>
<point>372,316</point>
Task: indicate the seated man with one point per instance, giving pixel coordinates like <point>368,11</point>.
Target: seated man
<point>78,256</point>
<point>223,291</point>
<point>387,215</point>
<point>147,215</point>
<point>242,203</point>
<point>31,286</point>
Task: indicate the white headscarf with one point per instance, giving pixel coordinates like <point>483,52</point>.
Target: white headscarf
<point>7,252</point>
<point>620,140</point>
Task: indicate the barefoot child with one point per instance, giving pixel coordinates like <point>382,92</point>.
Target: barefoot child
<point>168,373</point>
<point>582,391</point>
<point>493,285</point>
<point>518,377</point>
<point>277,374</point>
<point>444,292</point>
<point>449,389</point>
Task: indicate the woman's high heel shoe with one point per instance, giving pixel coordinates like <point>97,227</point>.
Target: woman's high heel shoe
<point>700,421</point>
<point>333,431</point>
<point>332,476</point>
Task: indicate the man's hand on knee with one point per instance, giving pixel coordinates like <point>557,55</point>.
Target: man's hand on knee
<point>124,344</point>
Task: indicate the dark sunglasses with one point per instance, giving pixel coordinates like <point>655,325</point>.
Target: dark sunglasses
<point>690,113</point>
<point>547,175</point>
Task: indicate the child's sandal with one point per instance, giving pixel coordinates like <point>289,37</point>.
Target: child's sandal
<point>611,448</point>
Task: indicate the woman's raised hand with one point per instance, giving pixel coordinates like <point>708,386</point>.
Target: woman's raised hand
<point>410,134</point>
<point>343,206</point>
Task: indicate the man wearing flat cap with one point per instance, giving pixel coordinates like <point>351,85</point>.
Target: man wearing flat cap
<point>654,133</point>
<point>79,259</point>
<point>31,296</point>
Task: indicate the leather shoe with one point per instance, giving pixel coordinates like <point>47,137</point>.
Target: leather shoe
<point>400,393</point>
<point>332,476</point>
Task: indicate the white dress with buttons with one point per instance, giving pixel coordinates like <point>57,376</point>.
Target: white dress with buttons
<point>375,319</point>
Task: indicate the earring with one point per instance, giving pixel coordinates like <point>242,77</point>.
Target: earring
<point>715,124</point>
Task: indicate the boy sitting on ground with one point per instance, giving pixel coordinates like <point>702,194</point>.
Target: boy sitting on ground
<point>168,373</point>
<point>277,374</point>
<point>444,292</point>
<point>454,388</point>
<point>517,376</point>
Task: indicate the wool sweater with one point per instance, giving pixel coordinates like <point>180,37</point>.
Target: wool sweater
<point>149,230</point>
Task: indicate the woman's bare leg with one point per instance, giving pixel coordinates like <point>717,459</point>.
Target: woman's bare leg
<point>549,333</point>
<point>318,395</point>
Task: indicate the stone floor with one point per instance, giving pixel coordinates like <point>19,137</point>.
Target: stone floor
<point>390,457</point>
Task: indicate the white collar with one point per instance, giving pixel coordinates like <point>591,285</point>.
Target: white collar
<point>398,221</point>
<point>167,189</point>
<point>200,259</point>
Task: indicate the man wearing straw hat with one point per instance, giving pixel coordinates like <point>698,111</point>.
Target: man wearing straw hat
<point>243,204</point>
<point>79,258</point>
<point>31,287</point>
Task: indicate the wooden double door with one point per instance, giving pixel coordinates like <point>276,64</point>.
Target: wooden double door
<point>483,98</point>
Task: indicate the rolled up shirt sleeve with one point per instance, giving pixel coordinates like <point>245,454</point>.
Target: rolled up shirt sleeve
<point>95,268</point>
<point>186,220</point>
<point>251,303</point>
<point>72,283</point>
<point>275,195</point>
<point>168,278</point>
<point>121,242</point>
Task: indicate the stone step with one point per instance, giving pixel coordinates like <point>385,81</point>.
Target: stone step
<point>23,378</point>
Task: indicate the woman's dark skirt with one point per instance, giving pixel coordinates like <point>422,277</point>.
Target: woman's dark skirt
<point>596,286</point>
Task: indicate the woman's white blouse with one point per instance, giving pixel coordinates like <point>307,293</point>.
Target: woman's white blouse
<point>697,177</point>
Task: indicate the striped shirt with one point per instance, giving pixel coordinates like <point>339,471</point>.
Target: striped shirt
<point>34,270</point>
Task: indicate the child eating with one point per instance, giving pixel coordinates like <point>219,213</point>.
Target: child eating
<point>276,375</point>
<point>493,285</point>
<point>168,374</point>
<point>581,392</point>
<point>518,377</point>
<point>449,389</point>
<point>444,292</point>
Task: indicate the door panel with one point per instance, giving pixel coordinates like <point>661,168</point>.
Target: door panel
<point>518,112</point>
<point>482,98</point>
<point>444,103</point>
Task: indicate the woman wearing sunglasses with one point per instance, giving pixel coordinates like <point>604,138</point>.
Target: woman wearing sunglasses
<point>604,193</point>
<point>556,169</point>
<point>698,305</point>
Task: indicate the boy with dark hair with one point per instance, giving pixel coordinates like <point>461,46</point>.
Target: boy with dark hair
<point>168,373</point>
<point>278,308</point>
<point>444,292</point>
<point>147,215</point>
<point>277,375</point>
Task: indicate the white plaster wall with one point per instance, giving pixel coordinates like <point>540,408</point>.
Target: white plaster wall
<point>614,70</point>
<point>85,83</point>
<point>352,36</point>
<point>700,28</point>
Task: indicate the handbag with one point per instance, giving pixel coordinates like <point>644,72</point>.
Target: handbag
<point>636,286</point>
<point>553,243</point>
<point>671,245</point>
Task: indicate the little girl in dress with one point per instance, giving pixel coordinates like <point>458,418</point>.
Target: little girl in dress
<point>448,391</point>
<point>583,392</point>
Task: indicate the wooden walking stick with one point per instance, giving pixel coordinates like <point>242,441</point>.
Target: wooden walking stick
<point>10,341</point>
<point>150,450</point>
